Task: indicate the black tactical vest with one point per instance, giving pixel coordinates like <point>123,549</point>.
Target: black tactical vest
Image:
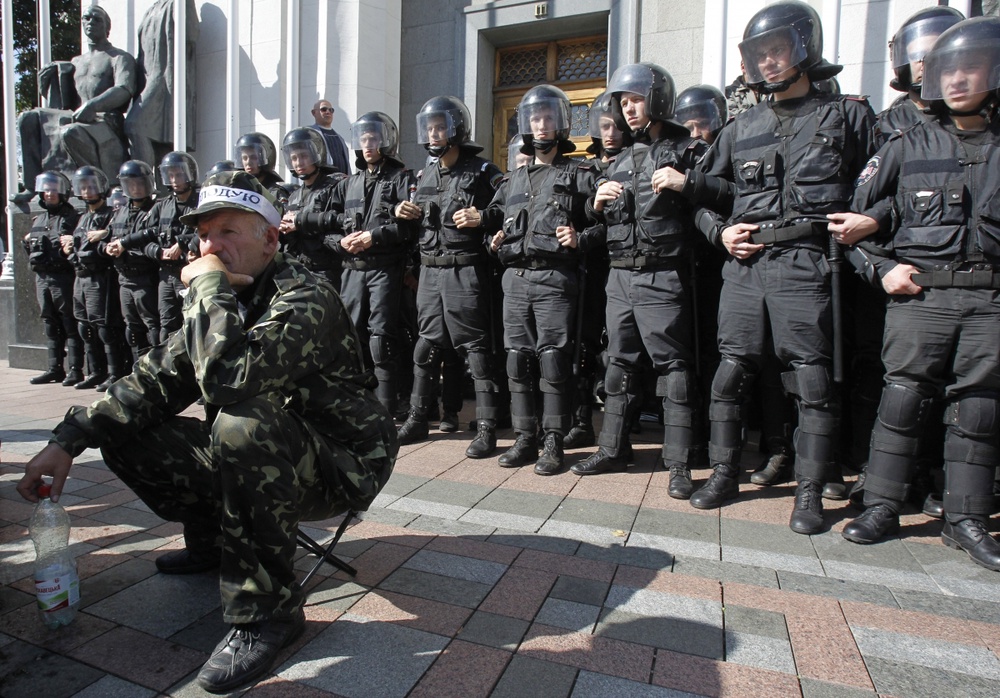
<point>641,222</point>
<point>440,198</point>
<point>948,197</point>
<point>790,170</point>
<point>131,262</point>
<point>44,250</point>
<point>378,212</point>
<point>310,250</point>
<point>86,258</point>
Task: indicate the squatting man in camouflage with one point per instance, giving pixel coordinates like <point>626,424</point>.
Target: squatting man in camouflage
<point>293,433</point>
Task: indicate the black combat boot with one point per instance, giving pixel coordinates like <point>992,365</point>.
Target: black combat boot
<point>972,536</point>
<point>524,451</point>
<point>778,469</point>
<point>92,381</point>
<point>581,434</point>
<point>835,488</point>
<point>449,422</point>
<point>551,460</point>
<point>933,506</point>
<point>485,442</point>
<point>680,486</point>
<point>603,462</point>
<point>73,376</point>
<point>722,485</point>
<point>415,428</point>
<point>873,525</point>
<point>807,514</point>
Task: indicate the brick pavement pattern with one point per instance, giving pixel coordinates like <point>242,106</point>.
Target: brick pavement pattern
<point>474,580</point>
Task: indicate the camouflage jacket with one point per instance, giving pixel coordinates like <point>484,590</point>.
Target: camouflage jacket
<point>291,339</point>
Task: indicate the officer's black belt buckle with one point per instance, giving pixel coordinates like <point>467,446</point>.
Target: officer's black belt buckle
<point>772,234</point>
<point>450,260</point>
<point>543,264</point>
<point>368,265</point>
<point>980,276</point>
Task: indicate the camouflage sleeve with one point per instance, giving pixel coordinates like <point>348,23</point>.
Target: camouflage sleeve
<point>161,385</point>
<point>232,363</point>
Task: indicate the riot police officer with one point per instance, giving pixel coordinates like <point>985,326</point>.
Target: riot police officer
<point>942,274</point>
<point>163,238</point>
<point>302,235</point>
<point>790,160</point>
<point>256,154</point>
<point>54,278</point>
<point>453,296</point>
<point>138,275</point>
<point>539,215</point>
<point>649,238</point>
<point>95,291</point>
<point>702,110</point>
<point>373,246</point>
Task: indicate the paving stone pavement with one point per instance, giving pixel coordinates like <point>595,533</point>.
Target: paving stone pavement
<point>474,580</point>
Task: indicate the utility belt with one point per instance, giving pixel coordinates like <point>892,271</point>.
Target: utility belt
<point>135,271</point>
<point>370,263</point>
<point>773,233</point>
<point>452,260</point>
<point>52,269</point>
<point>646,262</point>
<point>979,276</point>
<point>542,263</point>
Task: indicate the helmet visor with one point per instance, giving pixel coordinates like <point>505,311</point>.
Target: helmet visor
<point>958,74</point>
<point>543,118</point>
<point>51,182</point>
<point>369,135</point>
<point>435,128</point>
<point>515,158</point>
<point>88,186</point>
<point>634,78</point>
<point>913,41</point>
<point>176,173</point>
<point>705,114</point>
<point>768,56</point>
<point>135,188</point>
<point>251,154</point>
<point>299,155</point>
<point>599,114</point>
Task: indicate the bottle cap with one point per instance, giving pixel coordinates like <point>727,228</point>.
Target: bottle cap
<point>44,491</point>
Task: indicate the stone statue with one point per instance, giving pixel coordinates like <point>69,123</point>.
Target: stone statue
<point>84,123</point>
<point>149,124</point>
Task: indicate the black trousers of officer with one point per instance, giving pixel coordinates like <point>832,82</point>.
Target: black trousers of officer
<point>138,293</point>
<point>941,344</point>
<point>169,301</point>
<point>595,301</point>
<point>97,308</point>
<point>453,313</point>
<point>649,319</point>
<point>54,292</point>
<point>539,317</point>
<point>784,290</point>
<point>372,300</point>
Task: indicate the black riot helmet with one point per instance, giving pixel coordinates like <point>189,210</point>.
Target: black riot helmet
<point>550,105</point>
<point>704,105</point>
<point>52,181</point>
<point>378,125</point>
<point>915,38</point>
<point>136,178</point>
<point>457,123</point>
<point>179,160</point>
<point>255,148</point>
<point>601,123</point>
<point>655,86</point>
<point>964,63</point>
<point>514,150</point>
<point>221,166</point>
<point>791,29</point>
<point>90,180</point>
<point>309,147</point>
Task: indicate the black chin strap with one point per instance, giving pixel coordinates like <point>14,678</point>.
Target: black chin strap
<point>543,146</point>
<point>774,87</point>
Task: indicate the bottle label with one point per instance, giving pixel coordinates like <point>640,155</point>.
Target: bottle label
<point>56,588</point>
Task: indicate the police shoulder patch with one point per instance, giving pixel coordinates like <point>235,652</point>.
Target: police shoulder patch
<point>871,168</point>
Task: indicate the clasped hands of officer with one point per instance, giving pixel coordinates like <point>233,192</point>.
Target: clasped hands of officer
<point>462,218</point>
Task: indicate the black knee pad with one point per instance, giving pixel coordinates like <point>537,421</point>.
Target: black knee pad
<point>426,354</point>
<point>810,383</point>
<point>902,409</point>
<point>135,339</point>
<point>481,368</point>
<point>620,379</point>
<point>519,365</point>
<point>555,366</point>
<point>381,348</point>
<point>54,330</point>
<point>86,331</point>
<point>732,381</point>
<point>976,416</point>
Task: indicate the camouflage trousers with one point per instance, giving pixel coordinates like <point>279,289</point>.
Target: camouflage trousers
<point>243,482</point>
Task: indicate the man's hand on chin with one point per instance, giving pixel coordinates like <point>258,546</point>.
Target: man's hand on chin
<point>211,262</point>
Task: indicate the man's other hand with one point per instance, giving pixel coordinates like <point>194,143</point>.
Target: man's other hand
<point>211,262</point>
<point>52,461</point>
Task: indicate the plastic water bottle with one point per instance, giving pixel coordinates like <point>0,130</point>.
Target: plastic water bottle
<point>57,585</point>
